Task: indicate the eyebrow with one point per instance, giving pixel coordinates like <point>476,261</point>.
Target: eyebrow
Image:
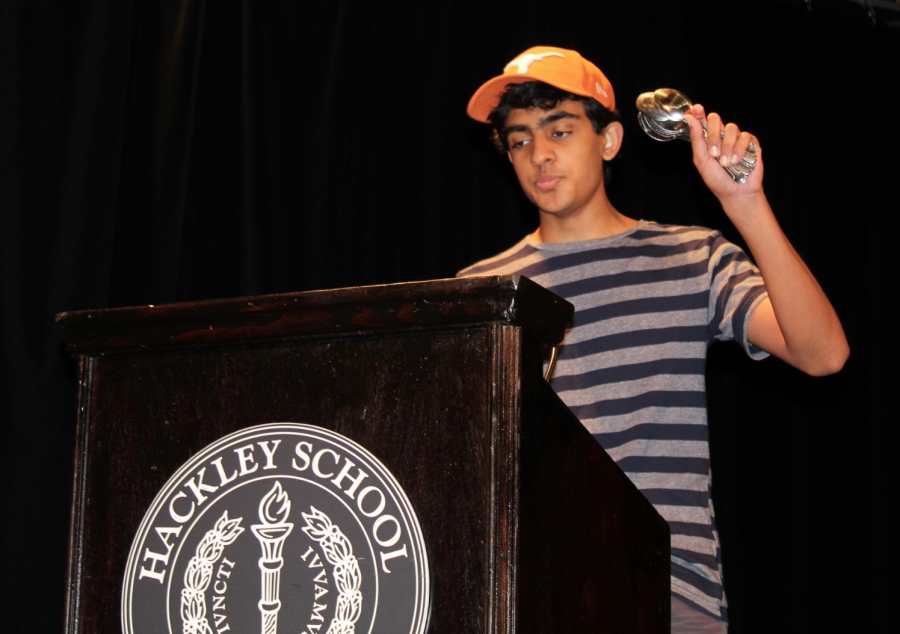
<point>556,116</point>
<point>542,122</point>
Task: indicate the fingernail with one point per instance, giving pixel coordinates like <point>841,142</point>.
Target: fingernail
<point>734,159</point>
<point>724,161</point>
<point>714,150</point>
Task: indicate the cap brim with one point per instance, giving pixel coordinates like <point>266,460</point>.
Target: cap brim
<point>487,97</point>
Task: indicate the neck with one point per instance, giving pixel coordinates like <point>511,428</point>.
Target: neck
<point>600,221</point>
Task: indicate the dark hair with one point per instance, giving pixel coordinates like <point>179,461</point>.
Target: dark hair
<point>537,94</point>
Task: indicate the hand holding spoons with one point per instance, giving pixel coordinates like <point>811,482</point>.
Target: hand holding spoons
<point>661,116</point>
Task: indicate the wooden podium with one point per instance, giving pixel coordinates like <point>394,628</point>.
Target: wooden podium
<point>528,525</point>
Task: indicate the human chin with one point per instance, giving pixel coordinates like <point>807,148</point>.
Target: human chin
<point>553,202</point>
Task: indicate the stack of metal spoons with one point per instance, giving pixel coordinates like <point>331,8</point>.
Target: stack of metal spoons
<point>661,116</point>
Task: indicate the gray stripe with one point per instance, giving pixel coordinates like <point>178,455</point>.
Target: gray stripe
<point>631,389</point>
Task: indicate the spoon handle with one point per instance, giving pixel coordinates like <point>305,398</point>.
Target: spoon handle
<point>740,170</point>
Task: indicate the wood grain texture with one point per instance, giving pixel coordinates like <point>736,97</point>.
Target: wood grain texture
<point>506,397</point>
<point>420,403</point>
<point>510,299</point>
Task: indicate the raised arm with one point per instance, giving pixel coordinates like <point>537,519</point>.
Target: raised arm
<point>797,322</point>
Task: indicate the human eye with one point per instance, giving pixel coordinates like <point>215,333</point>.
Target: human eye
<point>517,142</point>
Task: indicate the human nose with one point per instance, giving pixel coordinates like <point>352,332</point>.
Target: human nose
<point>542,150</point>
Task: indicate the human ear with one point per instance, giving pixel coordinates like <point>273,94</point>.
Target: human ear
<point>612,140</point>
<point>509,155</point>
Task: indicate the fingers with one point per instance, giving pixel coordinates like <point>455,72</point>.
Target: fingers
<point>697,126</point>
<point>714,134</point>
<point>698,140</point>
<point>745,140</point>
<point>732,134</point>
<point>727,143</point>
<point>699,113</point>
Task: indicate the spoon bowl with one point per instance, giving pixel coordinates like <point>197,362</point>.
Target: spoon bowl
<point>665,109</point>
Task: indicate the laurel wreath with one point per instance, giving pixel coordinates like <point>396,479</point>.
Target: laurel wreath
<point>347,577</point>
<point>199,572</point>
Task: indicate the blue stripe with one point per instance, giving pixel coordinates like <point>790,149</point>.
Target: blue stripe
<point>664,464</point>
<point>620,341</point>
<point>642,306</point>
<point>658,230</point>
<point>589,256</point>
<point>619,406</point>
<point>698,558</point>
<point>631,372</point>
<point>633,278</point>
<point>652,431</point>
<point>691,529</point>
<point>571,259</point>
<point>741,313</point>
<point>707,587</point>
<point>677,497</point>
<point>727,260</point>
<point>724,294</point>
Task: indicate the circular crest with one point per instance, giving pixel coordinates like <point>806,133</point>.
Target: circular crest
<point>280,526</point>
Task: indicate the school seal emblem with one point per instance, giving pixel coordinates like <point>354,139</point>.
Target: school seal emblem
<point>282,527</point>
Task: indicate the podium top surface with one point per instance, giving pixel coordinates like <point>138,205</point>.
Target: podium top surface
<point>509,299</point>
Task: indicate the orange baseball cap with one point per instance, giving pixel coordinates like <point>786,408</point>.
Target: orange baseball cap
<point>559,67</point>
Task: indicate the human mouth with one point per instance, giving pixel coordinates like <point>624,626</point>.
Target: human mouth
<point>546,183</point>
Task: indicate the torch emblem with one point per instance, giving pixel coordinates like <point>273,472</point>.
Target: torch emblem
<point>271,533</point>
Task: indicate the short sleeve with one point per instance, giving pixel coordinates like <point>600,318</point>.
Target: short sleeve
<point>736,288</point>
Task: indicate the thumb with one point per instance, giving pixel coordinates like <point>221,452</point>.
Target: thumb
<point>698,141</point>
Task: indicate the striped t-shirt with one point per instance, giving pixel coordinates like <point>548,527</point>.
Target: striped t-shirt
<point>648,302</point>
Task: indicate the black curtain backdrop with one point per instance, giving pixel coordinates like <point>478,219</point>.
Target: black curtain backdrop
<point>178,150</point>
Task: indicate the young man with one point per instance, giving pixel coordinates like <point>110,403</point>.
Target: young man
<point>649,298</point>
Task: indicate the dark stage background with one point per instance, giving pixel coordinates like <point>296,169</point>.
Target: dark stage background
<point>178,150</point>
